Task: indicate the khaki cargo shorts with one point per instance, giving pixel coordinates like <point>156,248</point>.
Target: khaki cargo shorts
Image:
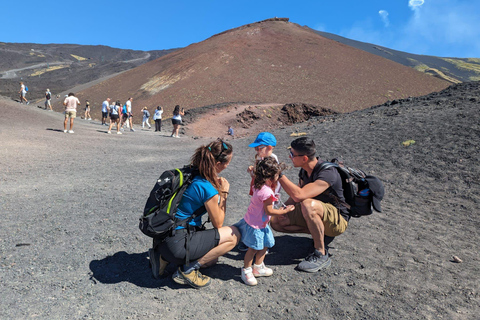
<point>334,223</point>
<point>70,114</point>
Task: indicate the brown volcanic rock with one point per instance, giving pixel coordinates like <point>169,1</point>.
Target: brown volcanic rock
<point>266,62</point>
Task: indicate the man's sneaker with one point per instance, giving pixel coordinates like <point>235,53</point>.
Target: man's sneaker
<point>314,262</point>
<point>261,270</point>
<point>109,132</point>
<point>65,131</point>
<point>242,247</point>
<point>118,132</point>
<point>133,130</point>
<point>157,263</point>
<point>248,277</point>
<point>177,278</point>
<point>28,102</point>
<point>70,131</point>
<point>195,278</point>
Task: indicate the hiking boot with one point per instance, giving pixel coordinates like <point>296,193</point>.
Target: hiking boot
<point>314,262</point>
<point>248,277</point>
<point>261,271</point>
<point>178,279</point>
<point>242,247</point>
<point>195,278</point>
<point>157,263</point>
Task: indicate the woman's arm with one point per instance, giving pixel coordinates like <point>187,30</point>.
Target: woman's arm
<point>215,210</point>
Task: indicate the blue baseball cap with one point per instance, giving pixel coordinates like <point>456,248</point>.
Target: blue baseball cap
<point>265,139</point>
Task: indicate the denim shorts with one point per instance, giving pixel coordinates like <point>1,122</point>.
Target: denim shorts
<point>256,239</point>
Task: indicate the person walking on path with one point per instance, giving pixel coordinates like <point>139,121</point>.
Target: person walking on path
<point>319,203</point>
<point>205,245</point>
<point>157,117</point>
<point>71,102</point>
<point>129,113</point>
<point>146,116</point>
<point>256,234</point>
<point>115,116</point>
<point>177,120</point>
<point>48,100</point>
<point>87,110</point>
<point>105,107</point>
<point>23,93</point>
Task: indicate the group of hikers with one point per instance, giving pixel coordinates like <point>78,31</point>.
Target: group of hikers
<point>315,206</point>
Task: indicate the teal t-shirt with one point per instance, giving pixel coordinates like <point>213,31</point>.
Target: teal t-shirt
<point>193,198</point>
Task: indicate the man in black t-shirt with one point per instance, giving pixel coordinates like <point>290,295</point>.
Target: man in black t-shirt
<point>319,203</point>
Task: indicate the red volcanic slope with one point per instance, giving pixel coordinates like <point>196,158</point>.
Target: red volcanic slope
<point>272,61</point>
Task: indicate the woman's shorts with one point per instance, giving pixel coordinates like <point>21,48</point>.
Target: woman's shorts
<point>173,249</point>
<point>114,117</point>
<point>176,121</point>
<point>333,221</point>
<point>256,239</point>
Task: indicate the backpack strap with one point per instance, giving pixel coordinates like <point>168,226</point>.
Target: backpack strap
<point>326,165</point>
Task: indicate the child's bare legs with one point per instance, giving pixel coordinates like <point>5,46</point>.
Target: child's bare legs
<point>260,256</point>
<point>248,259</point>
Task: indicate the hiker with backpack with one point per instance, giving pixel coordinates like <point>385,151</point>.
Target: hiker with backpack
<point>48,100</point>
<point>146,116</point>
<point>189,244</point>
<point>23,93</point>
<point>319,203</point>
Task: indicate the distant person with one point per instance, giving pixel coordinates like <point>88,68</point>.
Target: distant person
<point>230,131</point>
<point>87,110</point>
<point>105,106</point>
<point>157,117</point>
<point>256,234</point>
<point>123,117</point>
<point>115,116</point>
<point>146,117</point>
<point>23,93</point>
<point>48,100</point>
<point>319,203</point>
<point>129,113</point>
<point>71,102</point>
<point>177,120</point>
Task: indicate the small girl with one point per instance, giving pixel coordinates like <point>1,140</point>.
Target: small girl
<point>256,233</point>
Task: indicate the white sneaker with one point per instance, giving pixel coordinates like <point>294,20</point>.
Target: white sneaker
<point>109,132</point>
<point>70,131</point>
<point>248,277</point>
<point>261,270</point>
<point>177,136</point>
<point>89,118</point>
<point>118,132</point>
<point>133,130</point>
<point>65,131</point>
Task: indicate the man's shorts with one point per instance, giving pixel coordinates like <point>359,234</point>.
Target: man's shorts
<point>104,114</point>
<point>333,221</point>
<point>70,114</point>
<point>47,103</point>
<point>173,248</point>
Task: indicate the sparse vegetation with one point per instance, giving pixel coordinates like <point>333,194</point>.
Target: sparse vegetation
<point>42,71</point>
<point>472,65</point>
<point>78,57</point>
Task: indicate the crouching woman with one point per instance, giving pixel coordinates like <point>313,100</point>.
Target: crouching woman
<point>204,245</point>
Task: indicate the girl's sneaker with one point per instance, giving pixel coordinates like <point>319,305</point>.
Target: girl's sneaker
<point>248,277</point>
<point>261,270</point>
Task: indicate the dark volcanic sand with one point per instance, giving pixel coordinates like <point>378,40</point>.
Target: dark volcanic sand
<point>70,247</point>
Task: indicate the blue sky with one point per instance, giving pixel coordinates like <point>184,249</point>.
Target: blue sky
<point>447,28</point>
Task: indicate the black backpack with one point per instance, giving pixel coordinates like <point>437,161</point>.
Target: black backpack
<point>361,191</point>
<point>158,219</point>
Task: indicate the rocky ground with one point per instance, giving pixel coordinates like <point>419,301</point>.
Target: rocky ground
<point>70,247</point>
